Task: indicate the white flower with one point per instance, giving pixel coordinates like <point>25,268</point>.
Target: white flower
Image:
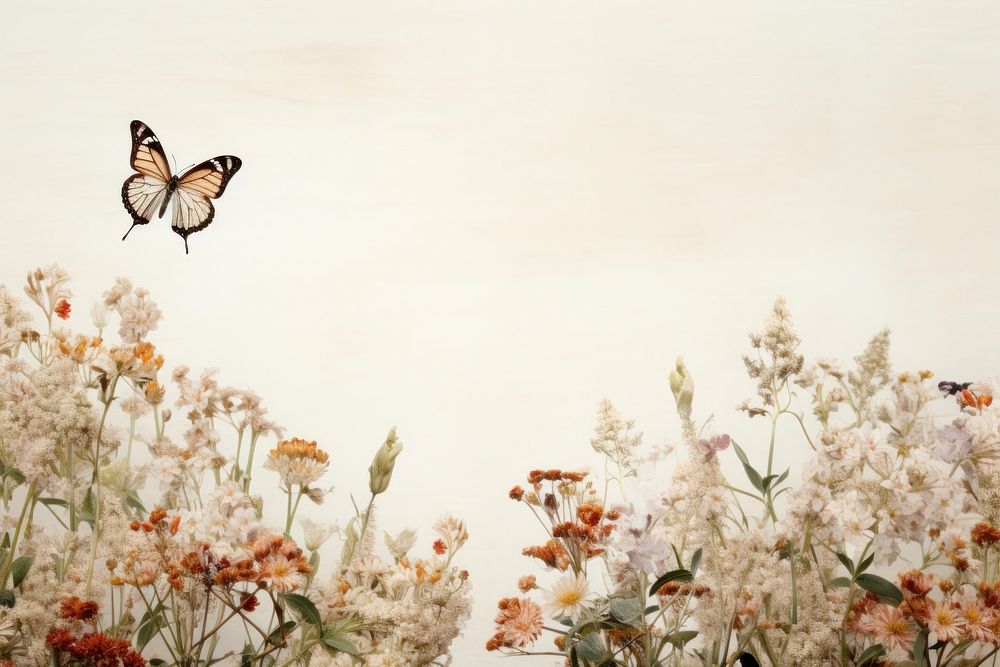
<point>568,597</point>
<point>402,543</point>
<point>99,315</point>
<point>315,534</point>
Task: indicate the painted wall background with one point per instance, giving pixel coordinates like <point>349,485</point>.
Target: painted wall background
<point>475,220</point>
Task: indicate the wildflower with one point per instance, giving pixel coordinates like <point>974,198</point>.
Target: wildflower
<point>713,445</point>
<point>945,623</point>
<point>402,543</point>
<point>73,608</point>
<point>568,596</point>
<point>280,573</point>
<point>315,534</point>
<point>62,309</point>
<point>527,583</point>
<point>519,623</point>
<point>889,627</point>
<point>985,535</point>
<point>298,462</point>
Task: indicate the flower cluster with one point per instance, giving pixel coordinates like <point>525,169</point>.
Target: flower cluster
<point>683,564</point>
<point>96,431</point>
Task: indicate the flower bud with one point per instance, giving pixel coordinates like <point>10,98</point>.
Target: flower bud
<point>380,471</point>
<point>99,316</point>
<point>682,386</point>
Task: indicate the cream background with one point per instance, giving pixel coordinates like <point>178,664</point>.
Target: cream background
<point>474,220</point>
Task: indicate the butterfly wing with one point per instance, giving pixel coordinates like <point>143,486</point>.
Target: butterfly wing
<point>196,188</point>
<point>146,192</point>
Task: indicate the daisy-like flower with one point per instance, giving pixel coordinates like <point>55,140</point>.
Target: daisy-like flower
<point>978,620</point>
<point>945,623</point>
<point>889,627</point>
<point>568,596</point>
<point>298,462</point>
<point>282,575</point>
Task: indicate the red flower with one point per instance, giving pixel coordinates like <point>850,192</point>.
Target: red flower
<point>248,602</point>
<point>59,639</point>
<point>439,547</point>
<point>76,609</point>
<point>62,309</point>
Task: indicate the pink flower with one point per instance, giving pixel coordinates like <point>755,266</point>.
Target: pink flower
<point>889,627</point>
<point>714,445</point>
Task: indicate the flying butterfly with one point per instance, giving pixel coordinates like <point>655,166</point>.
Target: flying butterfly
<point>149,191</point>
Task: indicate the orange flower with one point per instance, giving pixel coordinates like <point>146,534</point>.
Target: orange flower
<point>439,547</point>
<point>155,392</point>
<point>62,309</point>
<point>985,535</point>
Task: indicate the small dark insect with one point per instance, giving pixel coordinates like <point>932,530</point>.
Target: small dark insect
<point>950,388</point>
<point>148,192</point>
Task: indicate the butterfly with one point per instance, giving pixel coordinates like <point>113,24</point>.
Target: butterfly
<point>149,191</point>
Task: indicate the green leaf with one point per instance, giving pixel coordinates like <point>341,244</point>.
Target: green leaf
<point>150,623</point>
<point>156,662</point>
<point>695,562</point>
<point>848,563</point>
<point>335,642</point>
<point>58,502</point>
<point>6,598</point>
<point>19,570</point>
<point>681,637</point>
<point>740,454</point>
<point>839,582</point>
<point>869,655</point>
<point>754,477</point>
<point>782,477</point>
<point>673,575</point>
<point>14,474</point>
<point>865,563</point>
<point>86,510</point>
<point>274,639</point>
<point>884,589</point>
<point>919,649</point>
<point>591,648</point>
<point>303,607</point>
<point>135,502</point>
<point>626,610</point>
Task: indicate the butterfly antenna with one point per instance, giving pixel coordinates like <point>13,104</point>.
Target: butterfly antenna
<point>129,230</point>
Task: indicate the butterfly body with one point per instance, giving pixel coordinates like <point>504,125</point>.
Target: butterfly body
<point>153,187</point>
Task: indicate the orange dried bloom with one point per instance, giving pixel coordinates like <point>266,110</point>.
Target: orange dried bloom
<point>439,547</point>
<point>551,554</point>
<point>590,513</point>
<point>155,392</point>
<point>516,493</point>
<point>985,535</point>
<point>527,583</point>
<point>296,448</point>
